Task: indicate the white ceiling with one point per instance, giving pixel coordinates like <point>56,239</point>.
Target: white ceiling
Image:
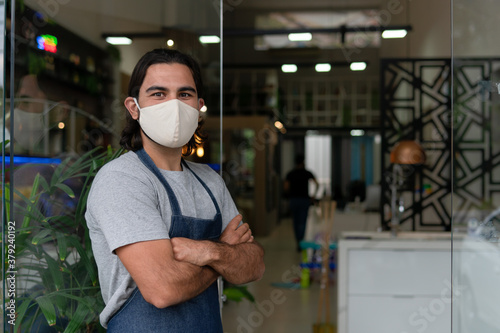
<point>91,18</point>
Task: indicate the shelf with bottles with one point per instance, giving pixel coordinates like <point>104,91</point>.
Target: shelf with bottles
<point>90,75</point>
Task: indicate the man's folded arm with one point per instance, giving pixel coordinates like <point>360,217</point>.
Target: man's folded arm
<point>237,256</point>
<point>162,280</point>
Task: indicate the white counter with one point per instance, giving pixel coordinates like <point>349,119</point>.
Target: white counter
<point>404,284</point>
<point>398,285</point>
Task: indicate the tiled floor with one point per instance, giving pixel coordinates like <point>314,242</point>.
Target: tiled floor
<point>278,309</point>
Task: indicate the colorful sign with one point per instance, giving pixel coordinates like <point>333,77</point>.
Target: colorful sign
<point>47,43</point>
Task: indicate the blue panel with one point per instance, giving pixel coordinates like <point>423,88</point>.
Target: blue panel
<point>32,160</point>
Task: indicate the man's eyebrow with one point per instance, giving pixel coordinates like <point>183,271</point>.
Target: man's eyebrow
<point>153,88</point>
<point>187,88</point>
<point>160,88</point>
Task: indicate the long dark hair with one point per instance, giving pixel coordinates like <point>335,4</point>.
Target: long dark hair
<point>131,134</point>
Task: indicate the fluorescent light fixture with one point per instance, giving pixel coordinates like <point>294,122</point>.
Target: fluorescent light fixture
<point>209,39</point>
<point>300,37</point>
<point>358,66</point>
<point>289,68</point>
<point>357,132</point>
<point>400,33</point>
<point>323,67</point>
<point>119,40</point>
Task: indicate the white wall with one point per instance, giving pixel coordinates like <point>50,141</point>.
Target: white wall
<point>430,36</point>
<point>318,160</point>
<point>476,28</point>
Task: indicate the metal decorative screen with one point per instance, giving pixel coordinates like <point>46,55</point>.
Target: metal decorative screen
<point>416,105</point>
<point>476,138</point>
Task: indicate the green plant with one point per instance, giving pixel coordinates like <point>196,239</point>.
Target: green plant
<point>53,250</point>
<point>237,293</point>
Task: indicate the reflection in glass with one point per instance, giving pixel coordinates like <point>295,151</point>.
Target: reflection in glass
<point>67,118</point>
<point>476,199</point>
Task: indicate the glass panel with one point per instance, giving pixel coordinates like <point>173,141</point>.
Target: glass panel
<point>4,137</point>
<point>64,113</point>
<point>476,251</point>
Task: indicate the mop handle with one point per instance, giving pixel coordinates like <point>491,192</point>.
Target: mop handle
<point>327,212</point>
<point>333,205</point>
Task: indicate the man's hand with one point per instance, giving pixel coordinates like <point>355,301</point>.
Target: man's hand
<point>236,233</point>
<point>237,256</point>
<point>200,253</point>
<point>192,251</point>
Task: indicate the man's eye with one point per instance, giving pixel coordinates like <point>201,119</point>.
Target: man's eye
<point>158,94</point>
<point>185,94</point>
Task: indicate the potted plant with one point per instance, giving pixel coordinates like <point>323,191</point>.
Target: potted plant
<point>53,254</point>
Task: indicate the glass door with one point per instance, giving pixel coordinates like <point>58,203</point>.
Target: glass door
<point>476,166</point>
<point>62,92</point>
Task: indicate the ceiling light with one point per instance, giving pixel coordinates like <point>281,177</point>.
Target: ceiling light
<point>300,37</point>
<point>119,40</point>
<point>209,39</point>
<point>170,43</point>
<point>289,68</point>
<point>278,124</point>
<point>323,67</point>
<point>358,66</point>
<point>400,33</point>
<point>357,132</point>
<point>204,108</point>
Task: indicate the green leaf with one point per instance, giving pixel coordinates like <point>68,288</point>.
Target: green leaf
<point>55,272</point>
<point>62,245</point>
<point>21,312</point>
<point>47,308</point>
<point>78,318</point>
<point>43,184</point>
<point>66,190</point>
<point>7,199</point>
<point>73,297</point>
<point>42,237</point>
<point>32,200</point>
<point>82,202</point>
<point>57,175</point>
<point>85,259</point>
<point>60,221</point>
<point>237,293</point>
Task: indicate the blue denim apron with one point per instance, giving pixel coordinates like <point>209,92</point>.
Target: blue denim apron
<point>199,314</point>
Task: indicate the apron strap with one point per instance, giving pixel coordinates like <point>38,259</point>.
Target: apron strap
<point>204,185</point>
<point>148,162</point>
<point>174,204</point>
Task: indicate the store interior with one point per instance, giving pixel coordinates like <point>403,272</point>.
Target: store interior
<point>399,132</point>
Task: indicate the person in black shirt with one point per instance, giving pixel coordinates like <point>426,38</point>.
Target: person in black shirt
<point>296,186</point>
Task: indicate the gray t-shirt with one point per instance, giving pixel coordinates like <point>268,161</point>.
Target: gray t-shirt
<point>128,204</point>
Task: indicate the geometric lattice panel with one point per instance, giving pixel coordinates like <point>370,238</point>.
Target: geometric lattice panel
<point>415,105</point>
<point>476,134</point>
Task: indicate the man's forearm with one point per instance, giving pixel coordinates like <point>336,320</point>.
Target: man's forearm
<point>240,263</point>
<point>162,280</point>
<point>237,263</point>
<point>189,281</point>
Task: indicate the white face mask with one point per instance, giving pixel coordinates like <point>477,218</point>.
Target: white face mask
<point>170,124</point>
